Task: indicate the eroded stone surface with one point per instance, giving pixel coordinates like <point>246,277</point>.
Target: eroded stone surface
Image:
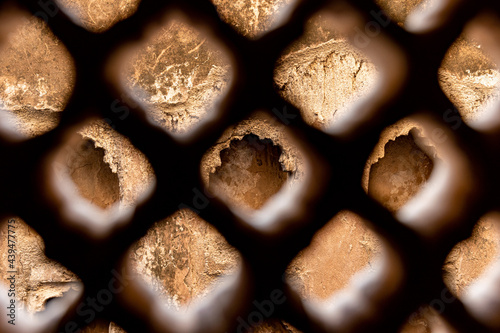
<point>472,257</point>
<point>398,10</point>
<point>92,176</point>
<point>98,15</point>
<point>250,172</point>
<point>322,74</point>
<point>264,127</point>
<point>400,174</point>
<point>316,60</point>
<point>469,78</point>
<point>343,247</point>
<point>181,257</point>
<point>252,18</point>
<point>135,174</point>
<point>36,77</point>
<point>39,278</point>
<point>426,320</point>
<point>179,75</point>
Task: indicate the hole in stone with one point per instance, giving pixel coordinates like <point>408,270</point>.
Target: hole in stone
<point>342,248</point>
<point>250,172</point>
<point>253,19</point>
<point>183,258</point>
<point>179,74</point>
<point>399,168</point>
<point>92,175</point>
<point>400,173</point>
<point>322,74</point>
<point>38,278</point>
<point>96,15</point>
<point>469,78</point>
<point>253,165</point>
<point>470,258</point>
<point>99,177</point>
<point>36,76</point>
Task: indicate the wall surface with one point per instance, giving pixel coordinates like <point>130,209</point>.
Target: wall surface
<point>179,76</point>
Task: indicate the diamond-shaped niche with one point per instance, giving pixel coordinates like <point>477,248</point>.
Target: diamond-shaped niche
<point>99,177</point>
<point>322,74</point>
<point>253,19</point>
<point>253,164</point>
<point>178,74</point>
<point>39,279</point>
<point>182,258</point>
<point>36,76</point>
<point>398,168</point>
<point>95,15</point>
<point>470,79</point>
<point>341,249</point>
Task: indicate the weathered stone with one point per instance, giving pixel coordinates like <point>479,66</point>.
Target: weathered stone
<point>473,256</point>
<point>98,15</point>
<point>343,247</point>
<point>36,77</point>
<point>38,278</point>
<point>469,78</point>
<point>399,175</point>
<point>252,18</point>
<point>179,76</point>
<point>322,74</point>
<point>135,174</point>
<point>182,257</point>
<point>250,171</point>
<point>92,176</point>
<point>398,10</point>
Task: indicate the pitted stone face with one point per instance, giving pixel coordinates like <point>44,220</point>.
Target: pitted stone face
<point>343,247</point>
<point>39,278</point>
<point>469,78</point>
<point>250,172</point>
<point>399,175</point>
<point>182,257</point>
<point>92,175</point>
<point>179,75</point>
<point>252,18</point>
<point>322,74</point>
<point>36,77</point>
<point>98,15</point>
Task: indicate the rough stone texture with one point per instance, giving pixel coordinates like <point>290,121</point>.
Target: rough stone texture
<point>322,74</point>
<point>189,84</point>
<point>400,174</point>
<point>36,77</point>
<point>93,177</point>
<point>252,18</point>
<point>250,171</point>
<point>469,78</point>
<point>179,76</point>
<point>343,247</point>
<point>98,15</point>
<point>398,10</point>
<point>259,135</point>
<point>427,320</point>
<point>38,277</point>
<point>181,257</point>
<point>135,174</point>
<point>472,257</point>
